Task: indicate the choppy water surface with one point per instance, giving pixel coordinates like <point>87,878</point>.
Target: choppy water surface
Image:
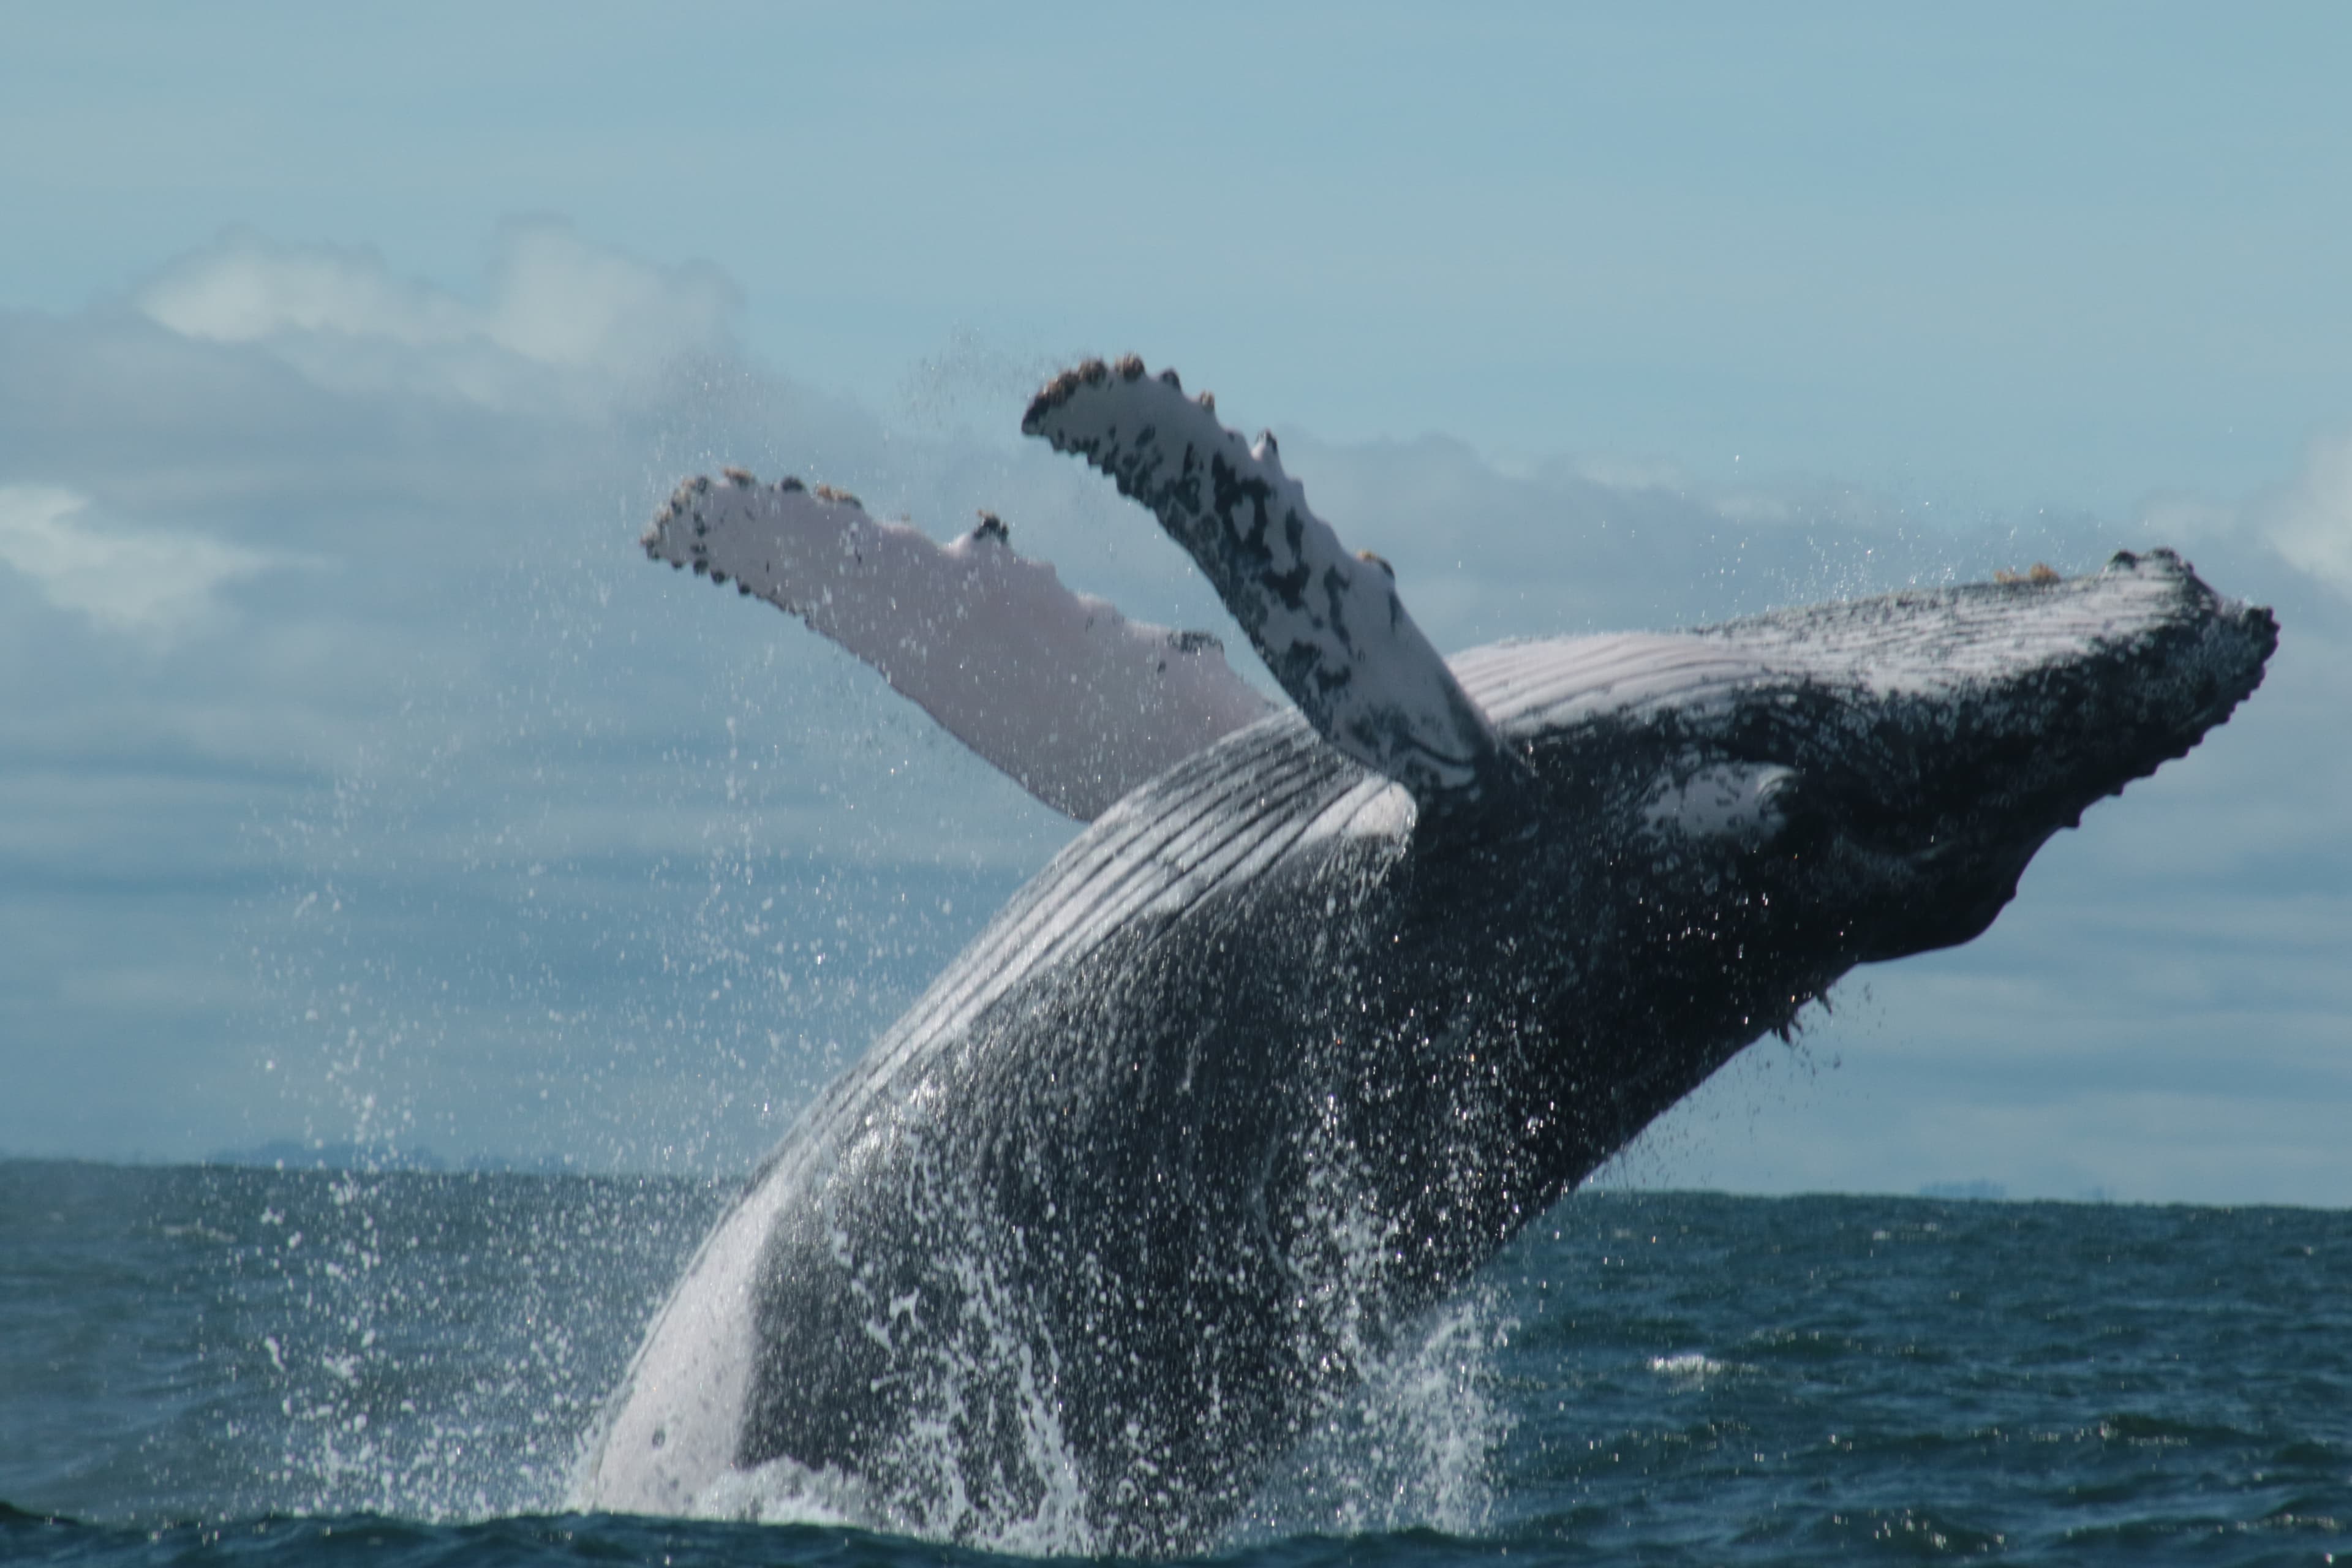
<point>217,1366</point>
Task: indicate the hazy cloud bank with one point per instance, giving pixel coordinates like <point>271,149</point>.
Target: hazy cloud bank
<point>373,785</point>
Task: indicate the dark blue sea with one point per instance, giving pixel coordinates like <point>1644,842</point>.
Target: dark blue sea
<point>211,1365</point>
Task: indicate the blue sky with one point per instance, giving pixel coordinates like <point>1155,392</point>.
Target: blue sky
<point>362,780</point>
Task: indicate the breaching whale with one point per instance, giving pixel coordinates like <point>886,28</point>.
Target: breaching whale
<point>1328,1002</point>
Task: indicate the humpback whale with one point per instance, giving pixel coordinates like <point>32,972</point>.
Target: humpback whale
<point>1330,1000</point>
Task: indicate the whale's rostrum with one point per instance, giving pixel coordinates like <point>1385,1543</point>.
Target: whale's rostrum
<point>1313,1017</point>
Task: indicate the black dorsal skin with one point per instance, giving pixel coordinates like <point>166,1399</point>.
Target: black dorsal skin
<point>1271,1060</point>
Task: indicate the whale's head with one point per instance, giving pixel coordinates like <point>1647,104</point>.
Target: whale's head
<point>1721,823</point>
<point>1899,760</point>
<point>1876,774</point>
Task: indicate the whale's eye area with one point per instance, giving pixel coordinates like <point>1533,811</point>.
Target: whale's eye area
<point>1748,803</point>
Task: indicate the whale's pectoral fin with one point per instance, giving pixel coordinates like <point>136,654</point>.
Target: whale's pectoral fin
<point>1327,622</point>
<point>1073,700</point>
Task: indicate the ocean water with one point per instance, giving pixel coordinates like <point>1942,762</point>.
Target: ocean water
<point>219,1365</point>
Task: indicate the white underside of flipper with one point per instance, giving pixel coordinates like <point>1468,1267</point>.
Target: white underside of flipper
<point>1329,623</point>
<point>1074,701</point>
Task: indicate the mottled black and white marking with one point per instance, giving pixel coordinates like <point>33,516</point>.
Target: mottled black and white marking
<point>1317,1015</point>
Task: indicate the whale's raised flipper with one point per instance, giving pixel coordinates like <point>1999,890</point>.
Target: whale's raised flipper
<point>1329,623</point>
<point>1057,689</point>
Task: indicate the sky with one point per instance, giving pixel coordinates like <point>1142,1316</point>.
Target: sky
<point>359,782</point>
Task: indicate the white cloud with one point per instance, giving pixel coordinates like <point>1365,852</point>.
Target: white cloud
<point>2304,524</point>
<point>561,318</point>
<point>561,302</point>
<point>246,289</point>
<point>154,585</point>
<point>2311,524</point>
